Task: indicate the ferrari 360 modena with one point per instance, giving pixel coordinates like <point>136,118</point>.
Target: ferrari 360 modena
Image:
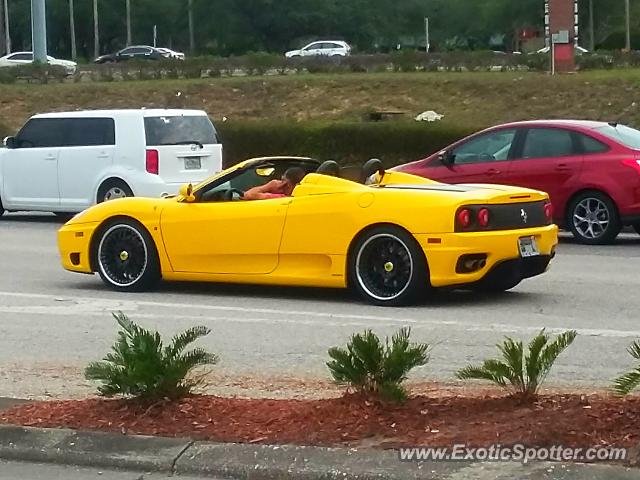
<point>390,236</point>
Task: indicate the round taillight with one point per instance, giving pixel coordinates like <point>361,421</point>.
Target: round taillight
<point>483,217</point>
<point>464,218</point>
<point>548,211</point>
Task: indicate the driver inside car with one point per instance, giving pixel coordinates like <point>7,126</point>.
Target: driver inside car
<point>277,188</point>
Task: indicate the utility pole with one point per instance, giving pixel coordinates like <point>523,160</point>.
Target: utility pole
<point>2,36</point>
<point>72,28</point>
<point>128,22</point>
<point>7,36</point>
<point>39,31</point>
<point>96,34</point>
<point>192,41</point>
<point>628,25</point>
<point>592,34</point>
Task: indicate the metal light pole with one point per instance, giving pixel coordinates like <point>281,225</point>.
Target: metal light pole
<point>72,28</point>
<point>592,35</point>
<point>192,42</point>
<point>426,32</point>
<point>7,36</point>
<point>128,22</point>
<point>628,25</point>
<point>96,34</point>
<point>39,31</point>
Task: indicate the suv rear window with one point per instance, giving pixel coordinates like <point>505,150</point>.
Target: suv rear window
<point>179,130</point>
<point>629,137</point>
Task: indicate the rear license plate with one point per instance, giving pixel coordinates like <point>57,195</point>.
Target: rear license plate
<point>192,163</point>
<point>528,247</point>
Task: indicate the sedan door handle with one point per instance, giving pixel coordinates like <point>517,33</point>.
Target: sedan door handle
<point>493,171</point>
<point>562,167</point>
<point>103,155</point>
<point>50,157</point>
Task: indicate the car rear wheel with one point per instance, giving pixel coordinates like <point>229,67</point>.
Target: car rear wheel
<point>387,267</point>
<point>1,209</point>
<point>636,227</point>
<point>112,190</point>
<point>593,219</point>
<point>126,257</point>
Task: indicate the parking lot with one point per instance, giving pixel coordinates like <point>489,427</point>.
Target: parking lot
<point>54,322</point>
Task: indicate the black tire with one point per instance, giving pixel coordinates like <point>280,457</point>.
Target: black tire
<point>593,218</point>
<point>387,267</point>
<point>1,208</point>
<point>636,226</point>
<point>110,187</point>
<point>126,257</point>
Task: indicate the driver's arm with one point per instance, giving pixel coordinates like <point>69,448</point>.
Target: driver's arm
<point>262,192</point>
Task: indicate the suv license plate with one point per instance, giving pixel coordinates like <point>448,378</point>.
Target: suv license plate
<point>192,163</point>
<point>528,247</point>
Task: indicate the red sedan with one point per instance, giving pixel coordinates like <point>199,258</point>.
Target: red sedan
<point>591,170</point>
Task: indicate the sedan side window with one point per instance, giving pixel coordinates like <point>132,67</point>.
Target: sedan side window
<point>591,145</point>
<point>490,147</point>
<point>42,132</point>
<point>548,143</point>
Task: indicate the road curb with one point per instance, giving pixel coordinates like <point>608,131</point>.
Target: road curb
<point>265,462</point>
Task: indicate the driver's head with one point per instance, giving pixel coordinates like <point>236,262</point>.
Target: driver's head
<point>293,176</point>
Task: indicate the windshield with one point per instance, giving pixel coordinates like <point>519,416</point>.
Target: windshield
<point>628,136</point>
<point>179,130</point>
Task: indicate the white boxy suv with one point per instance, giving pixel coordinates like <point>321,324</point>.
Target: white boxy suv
<point>66,162</point>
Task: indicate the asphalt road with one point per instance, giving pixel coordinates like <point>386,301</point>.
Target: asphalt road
<point>52,322</point>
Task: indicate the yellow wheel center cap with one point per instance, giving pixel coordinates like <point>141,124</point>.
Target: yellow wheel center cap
<point>388,267</point>
<point>124,255</point>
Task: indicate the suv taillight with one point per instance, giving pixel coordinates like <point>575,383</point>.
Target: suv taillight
<point>152,162</point>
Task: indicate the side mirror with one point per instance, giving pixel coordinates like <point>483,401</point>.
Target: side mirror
<point>186,192</point>
<point>446,158</point>
<point>10,142</point>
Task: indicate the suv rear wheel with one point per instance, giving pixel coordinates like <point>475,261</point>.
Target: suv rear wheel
<point>112,189</point>
<point>593,218</point>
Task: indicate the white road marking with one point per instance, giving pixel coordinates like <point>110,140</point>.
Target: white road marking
<point>97,307</point>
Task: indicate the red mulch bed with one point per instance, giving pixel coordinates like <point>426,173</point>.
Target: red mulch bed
<point>571,420</point>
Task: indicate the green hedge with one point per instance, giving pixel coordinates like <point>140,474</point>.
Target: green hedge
<point>348,143</point>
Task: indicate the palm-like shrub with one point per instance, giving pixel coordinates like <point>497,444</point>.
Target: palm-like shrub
<point>371,367</point>
<point>628,382</point>
<point>139,365</point>
<point>521,373</point>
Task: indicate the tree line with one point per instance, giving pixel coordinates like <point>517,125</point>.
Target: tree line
<point>235,27</point>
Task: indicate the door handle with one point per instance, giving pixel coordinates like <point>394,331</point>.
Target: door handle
<point>103,155</point>
<point>562,167</point>
<point>493,171</point>
<point>50,157</point>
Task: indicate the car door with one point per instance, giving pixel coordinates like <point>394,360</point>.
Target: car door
<point>89,150</point>
<point>30,171</point>
<point>548,159</point>
<point>484,158</point>
<point>225,237</point>
<point>312,49</point>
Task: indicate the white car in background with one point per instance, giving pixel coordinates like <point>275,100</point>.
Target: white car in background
<point>329,48</point>
<point>168,53</point>
<point>24,58</point>
<point>65,162</point>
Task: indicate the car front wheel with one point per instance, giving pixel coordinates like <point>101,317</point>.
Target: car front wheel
<point>126,257</point>
<point>593,219</point>
<point>388,268</point>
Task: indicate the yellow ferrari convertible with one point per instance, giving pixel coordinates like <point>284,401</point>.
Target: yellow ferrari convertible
<point>390,236</point>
